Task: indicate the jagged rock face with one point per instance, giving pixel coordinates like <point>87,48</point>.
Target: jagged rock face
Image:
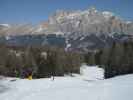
<point>88,22</point>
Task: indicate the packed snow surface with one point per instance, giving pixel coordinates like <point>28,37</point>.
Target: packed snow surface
<point>90,85</point>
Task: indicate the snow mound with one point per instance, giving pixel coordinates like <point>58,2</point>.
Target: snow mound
<point>92,72</point>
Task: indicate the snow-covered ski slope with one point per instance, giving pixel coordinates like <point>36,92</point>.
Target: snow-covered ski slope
<point>87,86</point>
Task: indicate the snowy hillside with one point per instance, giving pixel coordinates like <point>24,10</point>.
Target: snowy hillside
<point>69,88</point>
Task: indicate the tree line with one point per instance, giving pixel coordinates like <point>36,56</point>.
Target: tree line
<point>116,60</point>
<point>49,61</point>
<point>39,62</point>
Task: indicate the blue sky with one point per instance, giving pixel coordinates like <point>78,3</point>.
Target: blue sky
<point>35,11</point>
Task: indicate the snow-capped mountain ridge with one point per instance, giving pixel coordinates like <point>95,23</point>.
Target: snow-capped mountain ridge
<point>68,22</point>
<point>5,25</point>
